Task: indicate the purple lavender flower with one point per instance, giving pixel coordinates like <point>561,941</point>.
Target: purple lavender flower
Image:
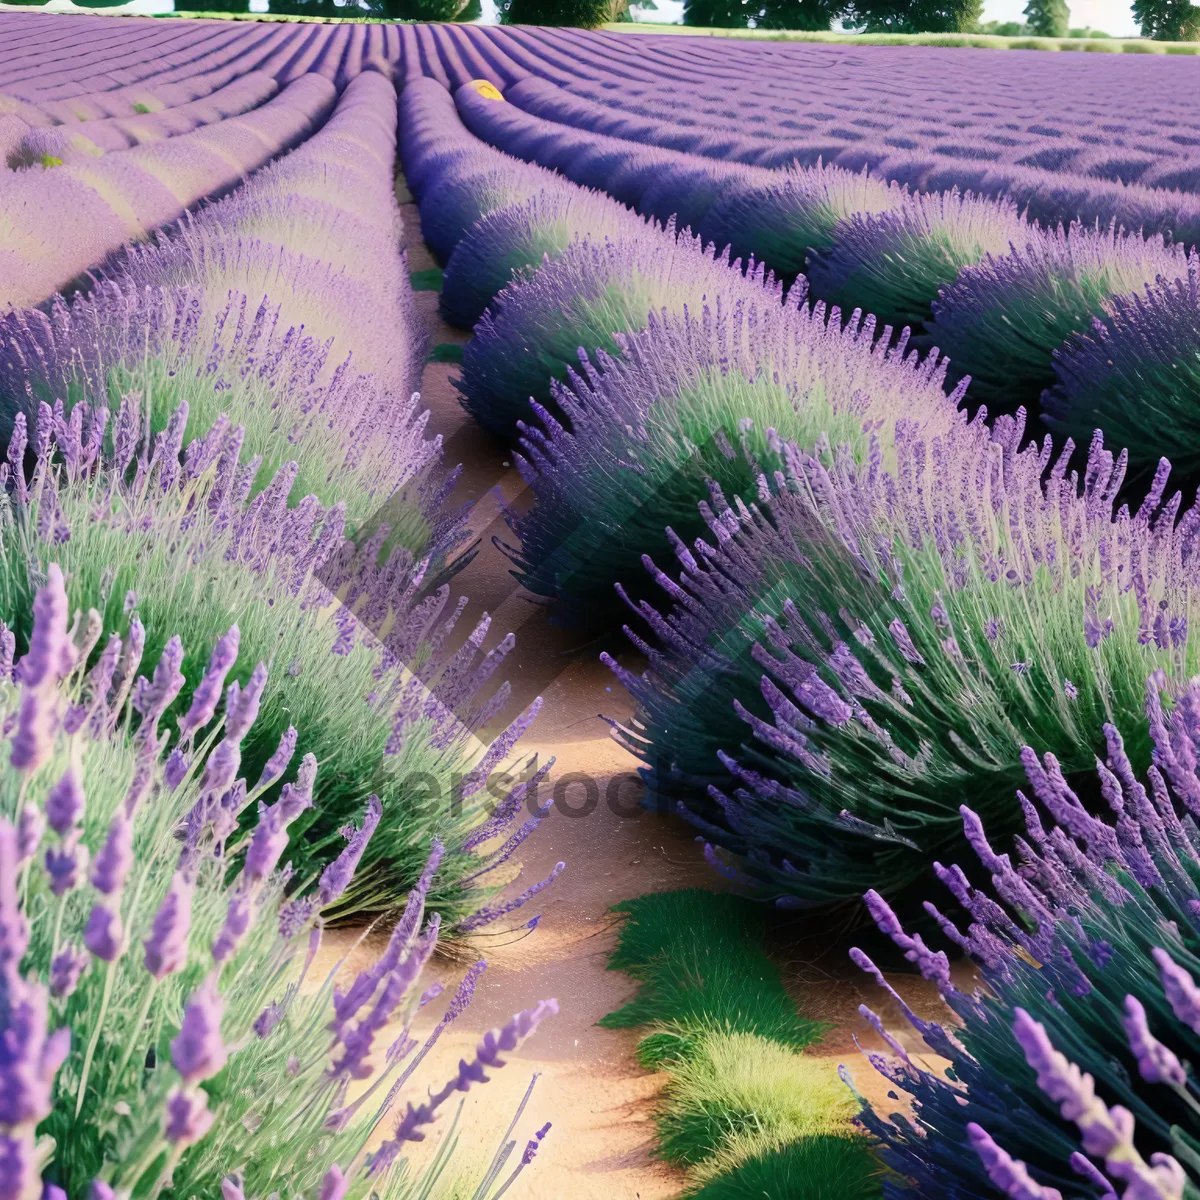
<point>933,966</point>
<point>487,1056</point>
<point>65,969</point>
<point>48,642</point>
<point>65,864</point>
<point>244,711</point>
<point>37,723</point>
<point>208,690</point>
<point>101,1191</point>
<point>167,946</point>
<point>296,797</point>
<point>1009,1175</point>
<point>265,1022</point>
<point>65,802</point>
<point>152,697</point>
<point>231,1189</point>
<point>335,1185</point>
<point>14,930</point>
<point>197,1051</point>
<point>278,762</point>
<point>31,824</point>
<point>188,1118</point>
<point>29,1056</point>
<point>1182,993</point>
<point>19,1165</point>
<point>234,927</point>
<point>115,857</point>
<point>177,766</point>
<point>534,1144</point>
<point>1156,1063</point>
<point>103,934</point>
<point>336,877</point>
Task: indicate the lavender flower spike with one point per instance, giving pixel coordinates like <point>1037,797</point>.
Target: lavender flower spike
<point>166,947</point>
<point>487,1055</point>
<point>152,697</point>
<point>1156,1063</point>
<point>112,862</point>
<point>65,801</point>
<point>48,643</point>
<point>208,691</point>
<point>335,1185</point>
<point>1182,993</point>
<point>1068,1086</point>
<point>103,935</point>
<point>278,762</point>
<point>14,931</point>
<point>336,877</point>
<point>197,1051</point>
<point>1007,1173</point>
<point>188,1118</point>
<point>933,966</point>
<point>65,969</point>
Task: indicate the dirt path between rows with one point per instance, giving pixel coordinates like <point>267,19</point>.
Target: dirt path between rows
<point>599,1100</point>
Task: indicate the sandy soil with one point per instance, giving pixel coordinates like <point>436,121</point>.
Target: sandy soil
<point>590,1086</point>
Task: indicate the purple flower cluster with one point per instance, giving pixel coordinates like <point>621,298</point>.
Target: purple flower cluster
<point>265,946</point>
<point>1086,943</point>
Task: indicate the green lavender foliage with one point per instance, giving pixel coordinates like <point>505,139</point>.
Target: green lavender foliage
<point>888,641</point>
<point>269,1072</point>
<point>691,403</point>
<point>195,567</point>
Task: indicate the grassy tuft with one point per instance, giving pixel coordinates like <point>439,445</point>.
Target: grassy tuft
<point>740,1095</point>
<point>446,352</point>
<point>429,280</point>
<point>702,967</point>
<point>823,1167</point>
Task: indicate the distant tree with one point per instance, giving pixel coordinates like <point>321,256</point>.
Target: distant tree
<point>761,14</point>
<point>583,14</point>
<point>1167,20</point>
<point>416,10</point>
<point>915,16</point>
<point>1048,18</point>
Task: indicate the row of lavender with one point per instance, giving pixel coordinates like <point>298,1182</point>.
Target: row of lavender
<point>932,118</point>
<point>880,606</point>
<point>1013,304</point>
<point>194,451</point>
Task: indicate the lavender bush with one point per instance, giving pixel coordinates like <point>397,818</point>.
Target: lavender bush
<point>165,1027</point>
<point>844,659</point>
<point>895,262</point>
<point>64,217</point>
<point>319,232</point>
<point>1073,1072</point>
<point>1001,321</point>
<point>577,303</point>
<point>783,222</point>
<point>168,348</point>
<point>362,652</point>
<point>691,403</point>
<point>510,243</point>
<point>469,191</point>
<point>1134,374</point>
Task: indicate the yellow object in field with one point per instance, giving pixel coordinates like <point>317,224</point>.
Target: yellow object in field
<point>489,91</point>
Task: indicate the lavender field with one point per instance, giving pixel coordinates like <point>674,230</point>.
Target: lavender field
<point>784,456</point>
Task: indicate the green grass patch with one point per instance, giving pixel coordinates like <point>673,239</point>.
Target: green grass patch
<point>429,280</point>
<point>746,1113</point>
<point>446,352</point>
<point>823,1167</point>
<point>700,959</point>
